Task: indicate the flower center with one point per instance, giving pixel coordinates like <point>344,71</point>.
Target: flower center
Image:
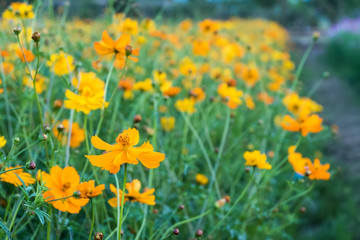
<point>89,193</point>
<point>66,185</point>
<point>87,92</point>
<point>124,140</point>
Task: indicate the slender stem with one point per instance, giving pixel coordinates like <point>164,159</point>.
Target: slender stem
<point>232,208</point>
<point>301,64</point>
<point>105,91</point>
<point>48,235</point>
<point>122,202</point>
<point>183,222</point>
<point>12,169</point>
<point>93,219</point>
<point>202,147</point>
<point>86,135</point>
<point>221,150</point>
<point>59,199</point>
<point>19,222</point>
<point>14,217</point>
<point>7,103</point>
<point>118,205</point>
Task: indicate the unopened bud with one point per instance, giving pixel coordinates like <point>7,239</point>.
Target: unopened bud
<point>176,231</point>
<point>36,37</point>
<point>303,209</point>
<point>181,207</point>
<point>220,203</point>
<point>316,36</point>
<point>137,118</point>
<point>199,233</point>
<point>98,236</point>
<point>77,194</point>
<point>43,137</point>
<point>17,30</point>
<point>58,103</point>
<point>47,128</point>
<point>16,140</point>
<point>128,50</point>
<point>31,165</point>
<point>155,211</point>
<point>60,127</point>
<point>247,170</point>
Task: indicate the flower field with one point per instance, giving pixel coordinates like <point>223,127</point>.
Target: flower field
<point>130,128</point>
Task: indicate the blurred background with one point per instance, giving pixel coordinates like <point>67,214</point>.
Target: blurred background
<point>332,211</point>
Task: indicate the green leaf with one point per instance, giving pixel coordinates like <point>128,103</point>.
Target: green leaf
<point>3,226</point>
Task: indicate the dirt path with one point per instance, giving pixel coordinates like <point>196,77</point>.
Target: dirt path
<point>341,107</point>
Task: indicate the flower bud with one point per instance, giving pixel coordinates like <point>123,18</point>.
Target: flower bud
<point>155,211</point>
<point>220,203</point>
<point>60,127</point>
<point>128,50</point>
<point>77,194</point>
<point>176,231</point>
<point>58,103</point>
<point>17,30</point>
<point>316,36</point>
<point>303,209</point>
<point>43,137</point>
<point>31,165</point>
<point>98,236</point>
<point>199,233</point>
<point>47,128</point>
<point>181,207</point>
<point>16,140</point>
<point>36,37</point>
<point>137,118</point>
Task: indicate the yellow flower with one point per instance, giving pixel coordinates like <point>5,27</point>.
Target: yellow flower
<point>167,123</point>
<point>2,141</point>
<point>250,75</point>
<point>230,94</point>
<point>145,85</point>
<point>124,151</point>
<point>129,26</point>
<point>39,82</point>
<point>201,179</point>
<point>187,67</point>
<point>19,10</point>
<point>186,105</point>
<point>90,96</point>
<point>61,63</point>
<point>256,159</point>
<point>88,189</point>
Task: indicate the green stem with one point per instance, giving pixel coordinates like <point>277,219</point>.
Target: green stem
<point>59,199</point>
<point>301,64</point>
<point>14,217</point>
<point>93,219</point>
<point>202,147</point>
<point>19,222</point>
<point>183,222</point>
<point>122,203</point>
<point>48,235</point>
<point>231,209</point>
<point>105,91</point>
<point>12,169</point>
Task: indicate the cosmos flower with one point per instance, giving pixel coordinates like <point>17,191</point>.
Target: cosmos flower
<point>256,159</point>
<point>123,151</point>
<point>133,194</point>
<point>13,177</point>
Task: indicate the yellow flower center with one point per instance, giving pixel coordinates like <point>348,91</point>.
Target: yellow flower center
<point>66,185</point>
<point>89,193</point>
<point>87,92</point>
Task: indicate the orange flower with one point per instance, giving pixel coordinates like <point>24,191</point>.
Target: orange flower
<point>77,134</point>
<point>264,97</point>
<point>134,194</point>
<point>318,171</point>
<point>123,151</point>
<point>230,94</point>
<point>201,179</point>
<point>108,46</point>
<point>198,94</point>
<point>62,183</point>
<point>13,177</point>
<point>28,55</point>
<point>310,124</point>
<point>88,189</point>
<point>208,26</point>
<point>250,75</point>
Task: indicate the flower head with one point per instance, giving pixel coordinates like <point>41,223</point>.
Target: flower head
<point>133,194</point>
<point>19,10</point>
<point>186,105</point>
<point>61,63</point>
<point>256,159</point>
<point>88,189</point>
<point>2,141</point>
<point>14,175</point>
<point>201,179</point>
<point>309,124</point>
<point>124,151</point>
<point>62,183</point>
<point>77,134</point>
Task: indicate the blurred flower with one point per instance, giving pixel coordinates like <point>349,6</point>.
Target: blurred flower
<point>77,134</point>
<point>256,159</point>
<point>167,123</point>
<point>2,141</point>
<point>29,56</point>
<point>19,10</point>
<point>186,105</point>
<point>61,63</point>
<point>310,124</point>
<point>201,179</point>
<point>133,194</point>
